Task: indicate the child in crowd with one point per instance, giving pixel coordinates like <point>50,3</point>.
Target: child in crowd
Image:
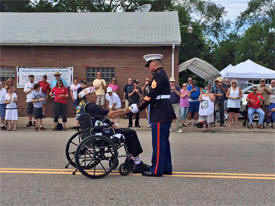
<point>45,88</point>
<point>206,109</point>
<point>37,99</point>
<point>184,103</point>
<point>11,115</point>
<point>3,92</point>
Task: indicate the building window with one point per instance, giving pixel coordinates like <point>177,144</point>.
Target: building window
<point>106,73</point>
<point>7,72</point>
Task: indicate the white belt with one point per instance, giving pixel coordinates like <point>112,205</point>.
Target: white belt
<point>163,97</point>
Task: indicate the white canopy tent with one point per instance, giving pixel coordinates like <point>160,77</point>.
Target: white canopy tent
<point>249,70</point>
<point>226,69</point>
<point>200,68</point>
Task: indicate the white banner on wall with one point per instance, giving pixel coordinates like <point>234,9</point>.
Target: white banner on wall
<point>24,72</point>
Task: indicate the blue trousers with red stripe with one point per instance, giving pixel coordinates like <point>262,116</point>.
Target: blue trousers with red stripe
<point>161,157</point>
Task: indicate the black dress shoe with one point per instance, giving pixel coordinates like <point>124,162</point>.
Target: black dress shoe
<point>138,126</point>
<point>129,125</point>
<point>150,174</point>
<point>140,168</point>
<point>168,173</point>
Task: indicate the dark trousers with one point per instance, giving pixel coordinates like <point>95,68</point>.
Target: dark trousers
<point>219,106</point>
<point>161,157</point>
<point>132,141</point>
<point>131,119</point>
<point>266,111</point>
<point>59,109</point>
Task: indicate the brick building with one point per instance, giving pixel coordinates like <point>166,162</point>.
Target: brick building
<point>113,43</point>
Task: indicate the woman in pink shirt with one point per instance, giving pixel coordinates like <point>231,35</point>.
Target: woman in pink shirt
<point>184,104</point>
<point>114,86</point>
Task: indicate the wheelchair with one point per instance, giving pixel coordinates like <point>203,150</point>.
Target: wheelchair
<point>93,150</point>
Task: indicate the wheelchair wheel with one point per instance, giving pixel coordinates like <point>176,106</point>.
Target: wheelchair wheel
<point>124,169</point>
<point>96,156</point>
<point>71,147</point>
<point>115,163</point>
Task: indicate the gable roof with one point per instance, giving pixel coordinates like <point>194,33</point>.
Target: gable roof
<point>90,29</point>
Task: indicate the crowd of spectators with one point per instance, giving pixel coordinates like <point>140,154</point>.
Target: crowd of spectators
<point>207,106</point>
<point>194,106</point>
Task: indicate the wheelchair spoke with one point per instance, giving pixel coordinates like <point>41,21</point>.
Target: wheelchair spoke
<point>102,144</point>
<point>74,143</point>
<point>102,166</point>
<point>96,156</point>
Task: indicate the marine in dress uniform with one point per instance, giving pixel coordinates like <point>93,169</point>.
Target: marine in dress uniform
<point>161,116</point>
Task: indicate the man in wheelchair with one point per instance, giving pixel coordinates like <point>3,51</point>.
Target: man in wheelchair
<point>255,101</point>
<point>87,105</point>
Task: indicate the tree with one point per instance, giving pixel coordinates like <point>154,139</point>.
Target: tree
<point>111,5</point>
<point>15,6</point>
<point>258,45</point>
<point>44,6</point>
<point>209,16</point>
<point>225,53</point>
<point>258,11</point>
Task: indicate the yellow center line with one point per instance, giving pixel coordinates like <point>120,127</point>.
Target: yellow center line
<point>115,172</point>
<point>175,173</point>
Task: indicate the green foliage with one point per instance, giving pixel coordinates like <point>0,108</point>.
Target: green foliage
<point>257,42</point>
<point>210,17</point>
<point>258,11</point>
<point>15,6</point>
<point>258,45</point>
<point>225,53</point>
<point>44,6</point>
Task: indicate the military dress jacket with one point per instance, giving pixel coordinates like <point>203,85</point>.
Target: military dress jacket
<point>159,98</point>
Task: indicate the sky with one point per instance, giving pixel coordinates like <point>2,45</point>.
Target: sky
<point>233,7</point>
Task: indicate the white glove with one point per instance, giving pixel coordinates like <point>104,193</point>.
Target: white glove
<point>133,108</point>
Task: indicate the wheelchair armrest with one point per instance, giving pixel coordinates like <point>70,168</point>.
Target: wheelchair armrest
<point>100,128</point>
<point>107,121</point>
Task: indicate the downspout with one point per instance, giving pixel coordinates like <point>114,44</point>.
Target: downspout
<point>173,61</point>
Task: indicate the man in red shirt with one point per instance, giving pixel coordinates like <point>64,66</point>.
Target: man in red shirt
<point>45,88</point>
<point>255,101</point>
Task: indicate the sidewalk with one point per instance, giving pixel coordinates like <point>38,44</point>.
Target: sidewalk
<point>49,125</point>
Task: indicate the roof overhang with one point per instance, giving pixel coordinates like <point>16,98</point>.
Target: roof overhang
<point>92,44</point>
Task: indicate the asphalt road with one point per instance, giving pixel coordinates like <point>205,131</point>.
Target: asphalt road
<point>231,168</point>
